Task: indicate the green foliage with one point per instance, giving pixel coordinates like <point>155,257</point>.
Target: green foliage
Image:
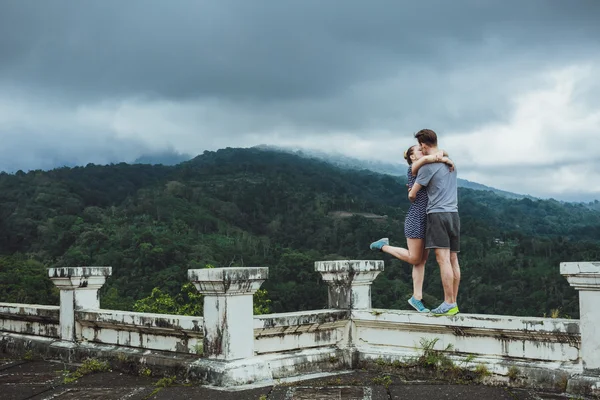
<point>111,299</point>
<point>199,349</point>
<point>381,362</point>
<point>470,358</point>
<point>383,380</point>
<point>482,371</point>
<point>262,304</point>
<point>513,373</point>
<point>158,302</point>
<point>435,363</point>
<point>25,280</point>
<point>249,207</point>
<point>165,382</point>
<point>89,366</point>
<point>187,302</point>
<point>432,358</point>
<point>162,383</point>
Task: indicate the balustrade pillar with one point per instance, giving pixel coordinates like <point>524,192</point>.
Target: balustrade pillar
<point>585,277</point>
<point>78,290</point>
<point>349,281</point>
<point>228,309</point>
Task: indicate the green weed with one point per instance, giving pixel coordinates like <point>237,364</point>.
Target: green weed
<point>89,366</point>
<point>383,380</point>
<point>513,373</point>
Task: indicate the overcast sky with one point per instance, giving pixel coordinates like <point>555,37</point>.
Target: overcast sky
<point>511,87</point>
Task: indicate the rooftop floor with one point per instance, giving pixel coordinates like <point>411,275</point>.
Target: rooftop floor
<point>38,380</point>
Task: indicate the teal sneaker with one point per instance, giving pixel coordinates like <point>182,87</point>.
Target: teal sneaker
<point>417,305</point>
<point>445,309</point>
<point>379,244</point>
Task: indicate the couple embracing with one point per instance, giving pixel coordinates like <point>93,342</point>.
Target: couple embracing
<point>432,222</point>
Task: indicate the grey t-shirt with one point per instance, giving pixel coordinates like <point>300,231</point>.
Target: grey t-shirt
<point>441,187</point>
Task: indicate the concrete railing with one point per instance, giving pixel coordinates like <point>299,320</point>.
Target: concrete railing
<point>30,319</point>
<point>175,333</point>
<point>240,348</point>
<point>274,333</point>
<point>499,342</point>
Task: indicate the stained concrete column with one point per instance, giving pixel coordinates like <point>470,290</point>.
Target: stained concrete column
<point>78,290</point>
<point>349,281</point>
<point>585,277</point>
<point>228,309</point>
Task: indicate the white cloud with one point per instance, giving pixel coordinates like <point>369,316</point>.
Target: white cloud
<point>541,119</point>
<point>548,147</point>
<point>536,151</point>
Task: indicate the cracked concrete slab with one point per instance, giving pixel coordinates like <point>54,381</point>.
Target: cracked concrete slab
<point>94,393</point>
<point>43,380</point>
<point>206,393</point>
<point>456,392</point>
<point>23,380</point>
<point>329,393</point>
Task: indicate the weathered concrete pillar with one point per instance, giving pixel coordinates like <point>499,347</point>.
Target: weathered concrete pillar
<point>585,277</point>
<point>78,290</point>
<point>228,309</point>
<point>349,281</point>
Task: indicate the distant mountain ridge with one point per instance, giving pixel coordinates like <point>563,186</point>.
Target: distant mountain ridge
<point>343,161</point>
<point>167,157</point>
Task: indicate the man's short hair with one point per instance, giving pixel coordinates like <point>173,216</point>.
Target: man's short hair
<point>426,136</point>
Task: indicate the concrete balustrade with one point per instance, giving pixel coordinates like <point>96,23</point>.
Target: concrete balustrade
<point>162,332</point>
<point>30,319</point>
<point>535,346</point>
<point>239,348</point>
<point>300,330</point>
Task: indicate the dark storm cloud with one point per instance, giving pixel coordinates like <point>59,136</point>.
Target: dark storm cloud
<point>127,76</point>
<point>271,50</point>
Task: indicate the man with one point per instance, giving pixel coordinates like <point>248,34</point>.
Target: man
<point>443,222</point>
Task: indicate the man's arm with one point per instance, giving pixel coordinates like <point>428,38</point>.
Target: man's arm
<point>442,156</point>
<point>412,194</point>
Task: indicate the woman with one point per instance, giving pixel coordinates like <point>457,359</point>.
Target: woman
<point>415,224</point>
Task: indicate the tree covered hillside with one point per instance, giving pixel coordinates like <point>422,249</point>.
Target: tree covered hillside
<point>253,207</point>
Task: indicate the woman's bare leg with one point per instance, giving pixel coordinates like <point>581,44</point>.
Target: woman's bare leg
<point>418,276</point>
<point>413,255</point>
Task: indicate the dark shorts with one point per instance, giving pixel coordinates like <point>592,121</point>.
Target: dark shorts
<point>443,231</point>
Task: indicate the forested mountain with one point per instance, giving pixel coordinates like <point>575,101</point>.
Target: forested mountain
<point>398,169</point>
<point>253,207</point>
